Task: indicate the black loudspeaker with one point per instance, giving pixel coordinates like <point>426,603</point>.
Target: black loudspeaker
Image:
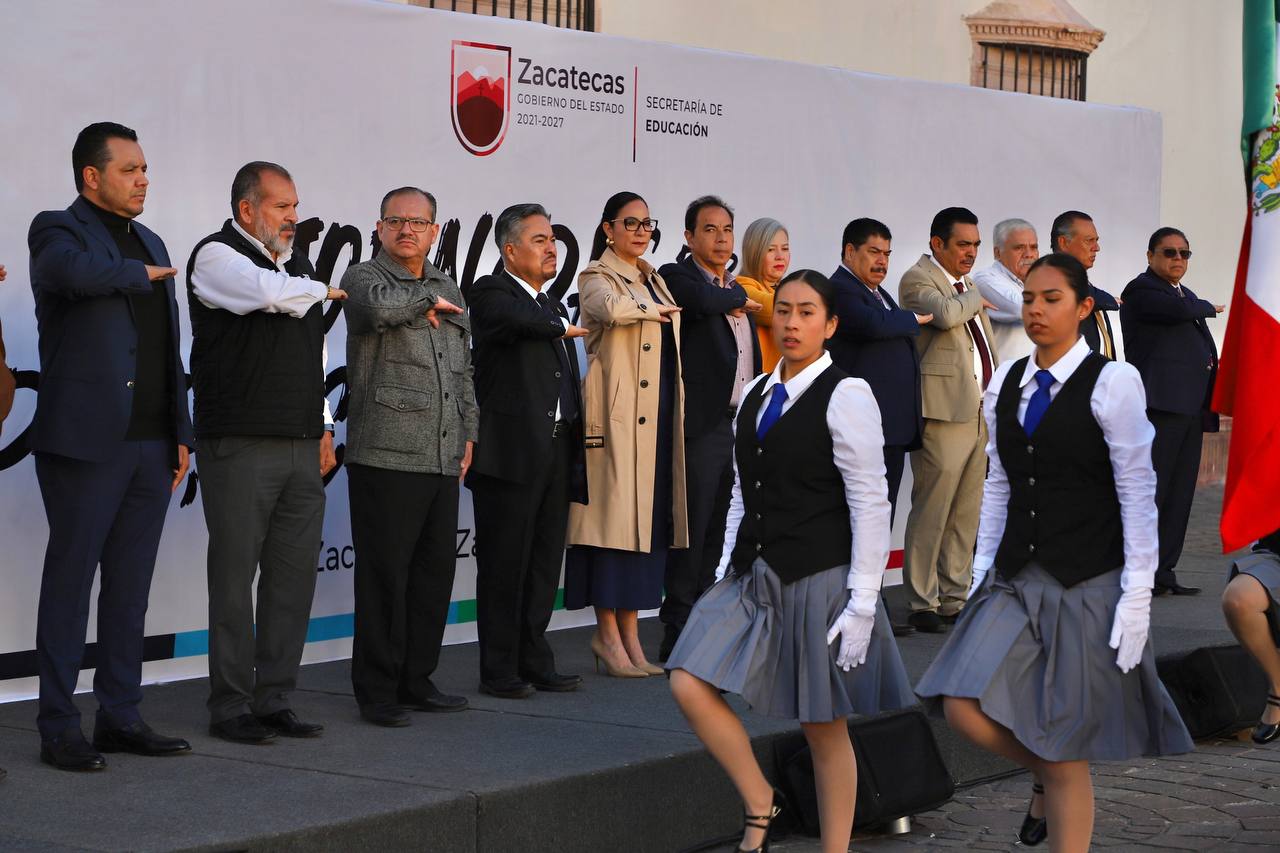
<point>900,771</point>
<point>1218,690</point>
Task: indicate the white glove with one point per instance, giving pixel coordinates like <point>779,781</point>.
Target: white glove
<point>979,575</point>
<point>853,626</point>
<point>1133,623</point>
<point>722,570</point>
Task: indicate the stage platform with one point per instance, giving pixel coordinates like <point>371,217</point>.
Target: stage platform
<point>612,767</point>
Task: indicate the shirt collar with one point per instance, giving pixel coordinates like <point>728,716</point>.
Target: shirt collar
<point>113,222</point>
<point>1006,272</point>
<point>1062,368</point>
<point>524,285</point>
<point>710,276</point>
<point>258,244</point>
<point>953,281</point>
<point>799,383</point>
<point>857,278</point>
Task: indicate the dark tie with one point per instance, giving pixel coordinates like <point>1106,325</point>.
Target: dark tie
<point>880,296</point>
<point>568,400</point>
<point>975,332</point>
<point>1039,402</point>
<point>773,411</point>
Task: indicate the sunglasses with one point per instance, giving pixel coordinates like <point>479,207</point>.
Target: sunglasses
<point>1171,253</point>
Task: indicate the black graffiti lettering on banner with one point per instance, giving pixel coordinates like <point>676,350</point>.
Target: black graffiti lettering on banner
<point>16,450</point>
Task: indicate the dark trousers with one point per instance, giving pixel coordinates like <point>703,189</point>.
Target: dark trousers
<point>708,469</point>
<point>520,532</point>
<point>1175,454</point>
<point>264,507</point>
<point>109,513</point>
<point>895,457</point>
<point>404,528</point>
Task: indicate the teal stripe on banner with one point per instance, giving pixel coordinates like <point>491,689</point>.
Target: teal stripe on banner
<point>188,644</point>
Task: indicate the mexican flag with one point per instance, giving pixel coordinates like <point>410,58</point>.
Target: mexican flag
<point>1248,385</point>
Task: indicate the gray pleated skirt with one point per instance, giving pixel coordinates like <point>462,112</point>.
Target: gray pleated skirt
<point>1264,567</point>
<point>767,641</point>
<point>1036,657</point>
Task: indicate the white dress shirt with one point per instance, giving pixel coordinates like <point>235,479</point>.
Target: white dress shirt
<point>977,357</point>
<point>533,294</point>
<point>1119,404</point>
<point>874,291</point>
<point>223,278</point>
<point>1002,289</point>
<point>858,443</point>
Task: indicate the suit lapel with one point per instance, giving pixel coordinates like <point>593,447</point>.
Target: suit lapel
<point>93,225</point>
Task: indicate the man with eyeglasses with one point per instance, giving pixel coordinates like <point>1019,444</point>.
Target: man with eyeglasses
<point>719,354</point>
<point>1168,340</point>
<point>264,441</point>
<point>411,425</point>
<point>1074,233</point>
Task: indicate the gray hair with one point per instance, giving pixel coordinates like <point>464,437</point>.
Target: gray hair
<point>247,184</point>
<point>754,245</point>
<point>1006,227</point>
<point>510,224</point>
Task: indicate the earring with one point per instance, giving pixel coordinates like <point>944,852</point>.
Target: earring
<point>608,241</point>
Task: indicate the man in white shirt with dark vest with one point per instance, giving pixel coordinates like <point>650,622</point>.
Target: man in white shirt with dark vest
<point>957,358</point>
<point>264,442</point>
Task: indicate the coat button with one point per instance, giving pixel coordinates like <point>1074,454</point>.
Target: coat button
<point>551,414</point>
<point>440,355</point>
<point>644,307</point>
<point>129,384</point>
<point>644,383</point>
<point>646,347</point>
<point>557,374</point>
<point>642,419</point>
<point>400,406</point>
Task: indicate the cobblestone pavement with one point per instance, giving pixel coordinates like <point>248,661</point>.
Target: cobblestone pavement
<point>1224,796</point>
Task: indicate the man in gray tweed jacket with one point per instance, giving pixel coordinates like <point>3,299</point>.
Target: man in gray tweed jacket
<point>411,424</point>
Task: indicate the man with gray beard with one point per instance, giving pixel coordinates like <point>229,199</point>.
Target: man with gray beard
<point>264,438</point>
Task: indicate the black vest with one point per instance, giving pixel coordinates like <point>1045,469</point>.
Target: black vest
<point>796,515</point>
<point>257,373</point>
<point>1063,510</point>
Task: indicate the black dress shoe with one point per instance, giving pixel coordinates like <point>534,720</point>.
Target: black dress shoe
<point>508,688</point>
<point>386,715</point>
<point>1177,589</point>
<point>70,751</point>
<point>1034,829</point>
<point>554,682</point>
<point>901,629</point>
<point>139,739</point>
<point>950,618</point>
<point>242,729</point>
<point>435,701</point>
<point>926,622</point>
<point>670,634</point>
<point>287,723</point>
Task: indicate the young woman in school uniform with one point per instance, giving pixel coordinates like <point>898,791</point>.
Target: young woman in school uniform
<point>1049,665</point>
<point>805,547</point>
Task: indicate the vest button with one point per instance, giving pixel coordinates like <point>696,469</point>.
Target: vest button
<point>757,484</point>
<point>1033,513</point>
<point>757,516</point>
<point>1031,448</point>
<point>446,395</point>
<point>1031,548</point>
<point>551,414</point>
<point>129,384</point>
<point>759,451</point>
<point>401,405</point>
<point>644,383</point>
<point>646,347</point>
<point>1031,481</point>
<point>642,419</point>
<point>757,548</point>
<point>557,374</point>
<point>439,355</point>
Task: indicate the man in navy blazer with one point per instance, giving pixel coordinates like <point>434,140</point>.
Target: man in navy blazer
<point>1167,339</point>
<point>874,341</point>
<point>110,435</point>
<point>720,354</point>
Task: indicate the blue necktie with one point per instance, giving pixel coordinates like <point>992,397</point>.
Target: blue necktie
<point>1039,402</point>
<point>773,411</point>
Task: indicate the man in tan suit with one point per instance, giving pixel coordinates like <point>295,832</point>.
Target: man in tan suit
<point>957,358</point>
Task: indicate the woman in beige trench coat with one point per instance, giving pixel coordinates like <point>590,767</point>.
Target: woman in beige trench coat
<point>634,431</point>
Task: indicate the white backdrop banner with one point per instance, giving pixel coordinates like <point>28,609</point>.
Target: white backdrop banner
<point>356,97</point>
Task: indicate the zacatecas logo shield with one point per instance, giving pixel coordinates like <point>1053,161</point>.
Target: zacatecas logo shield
<point>481,96</point>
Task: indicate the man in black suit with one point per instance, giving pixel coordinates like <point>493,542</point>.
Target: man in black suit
<point>720,354</point>
<point>1073,233</point>
<point>528,462</point>
<point>1167,339</point>
<point>111,436</point>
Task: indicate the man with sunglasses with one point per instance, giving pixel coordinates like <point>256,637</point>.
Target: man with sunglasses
<point>411,425</point>
<point>1167,339</point>
<point>264,441</point>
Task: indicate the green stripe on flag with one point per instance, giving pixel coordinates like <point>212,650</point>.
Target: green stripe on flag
<point>1259,63</point>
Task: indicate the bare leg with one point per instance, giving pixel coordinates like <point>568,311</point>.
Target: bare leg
<point>607,642</point>
<point>1068,795</point>
<point>720,730</point>
<point>836,773</point>
<point>1245,603</point>
<point>966,717</point>
<point>629,629</point>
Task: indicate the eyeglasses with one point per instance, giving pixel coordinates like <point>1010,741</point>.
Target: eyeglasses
<point>633,224</point>
<point>1172,253</point>
<point>395,223</point>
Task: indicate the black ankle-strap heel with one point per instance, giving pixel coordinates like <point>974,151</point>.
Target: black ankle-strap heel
<point>762,821</point>
<point>1264,733</point>
<point>1034,829</point>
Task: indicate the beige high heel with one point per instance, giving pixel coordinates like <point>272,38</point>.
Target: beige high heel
<point>598,649</point>
<point>648,668</point>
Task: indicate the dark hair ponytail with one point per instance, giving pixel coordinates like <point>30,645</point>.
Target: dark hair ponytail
<point>611,207</point>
